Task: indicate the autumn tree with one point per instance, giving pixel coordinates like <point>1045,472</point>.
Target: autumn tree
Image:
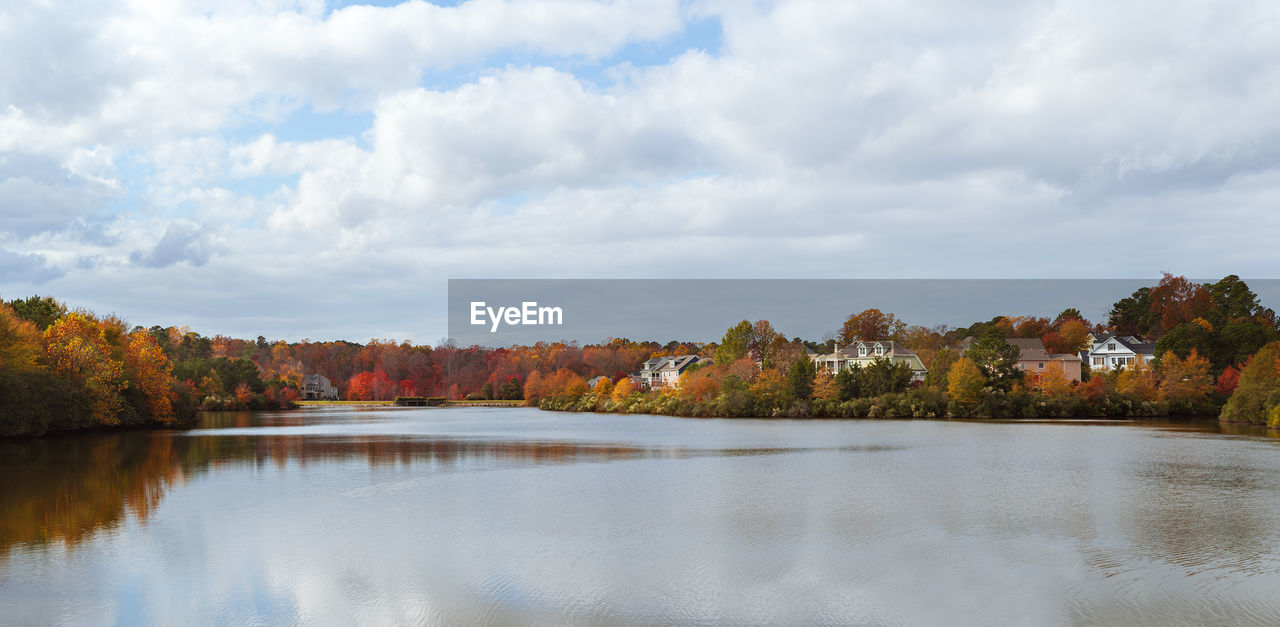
<point>698,385</point>
<point>150,372</point>
<point>360,387</point>
<point>769,389</point>
<point>1053,381</point>
<point>27,385</point>
<point>244,394</point>
<point>1138,380</point>
<point>1227,381</point>
<point>622,389</point>
<point>1185,381</point>
<point>1255,394</point>
<point>964,383</point>
<point>764,343</point>
<point>77,347</point>
<point>534,388</point>
<point>824,386</point>
<point>872,325</point>
<point>603,388</point>
<point>1176,300</point>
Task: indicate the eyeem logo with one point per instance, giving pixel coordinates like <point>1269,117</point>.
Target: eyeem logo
<point>528,313</point>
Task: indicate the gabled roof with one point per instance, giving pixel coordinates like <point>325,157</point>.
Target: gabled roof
<point>850,351</point>
<point>1029,348</point>
<point>1140,348</point>
<point>676,362</point>
<point>679,363</point>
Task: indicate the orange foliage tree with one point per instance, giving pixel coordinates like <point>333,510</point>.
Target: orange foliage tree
<point>1185,380</point>
<point>151,373</point>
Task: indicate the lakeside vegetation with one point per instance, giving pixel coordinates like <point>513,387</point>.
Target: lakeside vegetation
<point>63,370</point>
<point>1216,354</point>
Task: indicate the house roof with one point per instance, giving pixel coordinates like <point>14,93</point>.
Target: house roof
<point>669,362</point>
<point>892,349</point>
<point>1131,343</point>
<point>1029,348</point>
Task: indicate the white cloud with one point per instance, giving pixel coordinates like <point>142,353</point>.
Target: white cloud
<point>957,133</point>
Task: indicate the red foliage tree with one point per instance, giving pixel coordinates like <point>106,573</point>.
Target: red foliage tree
<point>1228,380</point>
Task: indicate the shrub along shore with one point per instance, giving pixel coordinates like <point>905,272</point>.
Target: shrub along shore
<point>1173,386</point>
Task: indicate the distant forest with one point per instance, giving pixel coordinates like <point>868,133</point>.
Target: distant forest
<point>64,369</point>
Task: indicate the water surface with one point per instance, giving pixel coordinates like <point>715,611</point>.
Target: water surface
<point>502,515</point>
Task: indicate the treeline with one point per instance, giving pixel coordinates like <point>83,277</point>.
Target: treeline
<point>43,389</point>
<point>968,388</point>
<point>1216,354</point>
<point>66,370</point>
<point>62,371</point>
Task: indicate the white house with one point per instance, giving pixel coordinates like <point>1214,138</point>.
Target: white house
<point>662,372</point>
<point>1109,351</point>
<point>316,387</point>
<point>862,353</point>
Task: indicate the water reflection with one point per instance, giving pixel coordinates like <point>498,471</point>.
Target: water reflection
<point>62,489</point>
<point>501,516</point>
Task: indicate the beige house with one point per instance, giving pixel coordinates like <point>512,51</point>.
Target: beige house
<point>861,353</point>
<point>1033,358</point>
<point>662,372</point>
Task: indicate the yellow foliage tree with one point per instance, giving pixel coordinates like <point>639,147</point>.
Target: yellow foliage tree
<point>77,346</point>
<point>769,388</point>
<point>965,381</point>
<point>603,388</point>
<point>1053,381</point>
<point>622,389</point>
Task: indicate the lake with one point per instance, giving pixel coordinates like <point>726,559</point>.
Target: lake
<point>512,515</point>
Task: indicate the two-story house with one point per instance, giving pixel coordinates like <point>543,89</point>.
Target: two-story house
<point>862,353</point>
<point>318,387</point>
<point>661,372</point>
<point>1111,351</point>
<point>1034,358</point>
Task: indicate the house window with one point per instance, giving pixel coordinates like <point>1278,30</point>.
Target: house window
<point>862,351</point>
<point>879,350</point>
<point>1098,361</point>
<point>1040,365</point>
<point>1111,346</point>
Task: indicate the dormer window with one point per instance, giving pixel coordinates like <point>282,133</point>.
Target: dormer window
<point>879,349</point>
<point>862,350</point>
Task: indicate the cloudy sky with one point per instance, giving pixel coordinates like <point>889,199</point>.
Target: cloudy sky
<point>302,169</point>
